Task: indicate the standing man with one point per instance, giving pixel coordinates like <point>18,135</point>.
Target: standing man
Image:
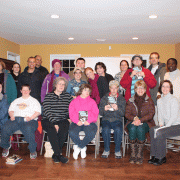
<point>79,63</point>
<point>43,70</point>
<point>158,70</point>
<point>31,76</point>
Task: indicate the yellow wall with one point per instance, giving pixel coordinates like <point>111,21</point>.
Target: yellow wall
<point>94,50</point>
<point>6,45</point>
<point>177,53</point>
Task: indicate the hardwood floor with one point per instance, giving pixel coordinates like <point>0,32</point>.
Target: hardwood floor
<point>89,168</point>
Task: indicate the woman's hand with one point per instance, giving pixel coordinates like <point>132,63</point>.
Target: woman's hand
<point>133,73</point>
<point>114,106</point>
<point>136,121</point>
<point>28,118</point>
<point>80,123</point>
<point>107,107</point>
<point>86,123</point>
<point>56,127</point>
<point>141,74</point>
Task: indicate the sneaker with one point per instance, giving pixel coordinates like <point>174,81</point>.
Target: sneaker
<point>33,155</point>
<point>5,152</point>
<point>76,152</point>
<point>118,155</point>
<point>105,154</point>
<point>55,158</point>
<point>83,152</point>
<point>63,159</point>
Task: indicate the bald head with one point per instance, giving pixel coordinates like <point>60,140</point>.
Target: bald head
<point>38,61</point>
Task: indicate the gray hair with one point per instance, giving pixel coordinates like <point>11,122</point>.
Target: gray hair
<point>113,82</point>
<point>60,79</point>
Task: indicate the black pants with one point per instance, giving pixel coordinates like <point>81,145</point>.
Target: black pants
<point>56,139</point>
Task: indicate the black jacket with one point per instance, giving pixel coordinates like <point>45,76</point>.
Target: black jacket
<point>35,81</point>
<point>43,71</point>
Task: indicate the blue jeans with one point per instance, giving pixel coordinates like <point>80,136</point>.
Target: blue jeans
<point>90,132</point>
<point>106,134</point>
<point>27,128</point>
<point>137,132</point>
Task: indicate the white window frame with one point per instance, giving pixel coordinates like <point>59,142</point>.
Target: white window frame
<point>62,57</point>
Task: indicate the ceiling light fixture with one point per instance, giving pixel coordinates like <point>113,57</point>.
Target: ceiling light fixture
<point>153,16</point>
<point>135,38</point>
<point>71,38</point>
<point>101,40</point>
<point>55,16</point>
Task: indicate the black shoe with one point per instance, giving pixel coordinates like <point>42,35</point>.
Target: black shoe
<point>55,158</point>
<point>151,161</point>
<point>63,159</point>
<point>158,162</point>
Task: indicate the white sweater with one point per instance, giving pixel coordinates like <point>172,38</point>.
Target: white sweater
<point>168,110</point>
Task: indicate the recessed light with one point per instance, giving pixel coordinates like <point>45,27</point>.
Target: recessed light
<point>55,16</point>
<point>153,16</point>
<point>101,40</point>
<point>135,38</point>
<point>71,38</point>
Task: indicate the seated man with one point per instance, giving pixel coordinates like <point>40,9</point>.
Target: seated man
<point>23,112</point>
<point>112,110</point>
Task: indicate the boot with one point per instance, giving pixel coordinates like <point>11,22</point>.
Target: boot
<point>133,146</point>
<point>140,149</point>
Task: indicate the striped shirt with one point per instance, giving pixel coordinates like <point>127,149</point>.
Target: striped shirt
<point>56,108</point>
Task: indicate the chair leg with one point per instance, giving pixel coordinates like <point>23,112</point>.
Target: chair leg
<point>42,144</point>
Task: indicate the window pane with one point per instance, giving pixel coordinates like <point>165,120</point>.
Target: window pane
<point>66,70</point>
<point>65,63</point>
<point>72,63</point>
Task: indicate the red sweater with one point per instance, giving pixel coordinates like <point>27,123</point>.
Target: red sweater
<point>127,80</point>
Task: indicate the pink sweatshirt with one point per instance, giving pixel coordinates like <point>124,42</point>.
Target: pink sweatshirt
<point>81,104</point>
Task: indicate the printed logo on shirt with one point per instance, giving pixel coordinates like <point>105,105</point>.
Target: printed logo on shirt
<point>22,106</point>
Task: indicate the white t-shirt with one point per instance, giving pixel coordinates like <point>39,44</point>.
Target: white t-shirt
<point>153,70</point>
<point>25,107</point>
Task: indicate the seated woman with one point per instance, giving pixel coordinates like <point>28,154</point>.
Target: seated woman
<point>23,112</point>
<point>54,122</point>
<point>124,66</point>
<point>4,106</point>
<point>83,112</point>
<point>140,111</point>
<point>73,85</point>
<point>169,120</point>
<point>112,110</point>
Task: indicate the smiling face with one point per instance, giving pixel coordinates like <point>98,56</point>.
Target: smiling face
<point>25,92</point>
<point>90,74</point>
<point>80,64</point>
<point>38,61</point>
<point>171,65</point>
<point>77,75</point>
<point>85,93</point>
<point>137,62</point>
<point>123,66</point>
<point>31,63</point>
<point>57,67</point>
<point>140,90</point>
<point>154,59</point>
<point>16,68</point>
<point>113,90</point>
<point>165,88</point>
<point>100,70</point>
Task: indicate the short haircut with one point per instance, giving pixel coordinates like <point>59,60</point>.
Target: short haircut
<point>140,83</point>
<point>30,58</point>
<point>113,82</point>
<point>84,86</point>
<point>25,85</point>
<point>60,79</point>
<point>100,64</point>
<point>154,53</point>
<point>173,59</point>
<point>81,59</point>
<point>161,84</point>
<point>3,64</point>
<point>88,68</point>
<point>126,63</point>
<point>76,69</point>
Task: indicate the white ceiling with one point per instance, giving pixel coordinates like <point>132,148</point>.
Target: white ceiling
<point>117,21</point>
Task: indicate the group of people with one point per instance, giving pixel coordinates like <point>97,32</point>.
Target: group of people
<point>70,103</point>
